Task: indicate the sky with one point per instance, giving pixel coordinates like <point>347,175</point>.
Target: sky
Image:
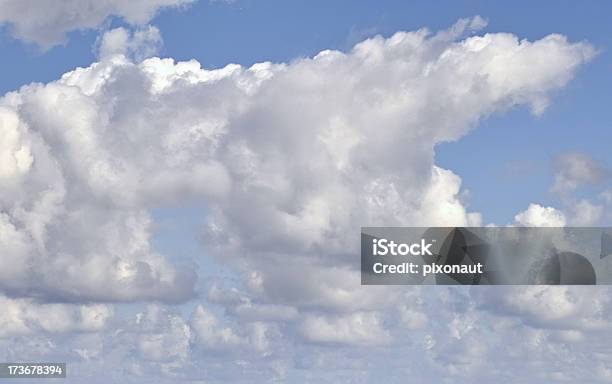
<point>183,183</point>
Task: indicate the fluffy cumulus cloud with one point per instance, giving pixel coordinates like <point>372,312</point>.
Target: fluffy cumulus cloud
<point>62,243</point>
<point>48,21</point>
<point>538,216</point>
<point>290,160</point>
<point>580,213</point>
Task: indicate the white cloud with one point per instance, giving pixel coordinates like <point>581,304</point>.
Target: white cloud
<point>584,213</point>
<point>46,22</point>
<point>574,169</point>
<point>138,44</point>
<point>89,155</point>
<point>569,308</point>
<point>359,328</point>
<point>290,159</point>
<point>264,312</point>
<point>27,317</point>
<point>210,333</point>
<point>413,319</point>
<point>571,170</point>
<point>164,337</point>
<point>538,216</point>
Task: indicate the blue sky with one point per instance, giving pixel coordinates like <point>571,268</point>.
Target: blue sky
<point>202,224</point>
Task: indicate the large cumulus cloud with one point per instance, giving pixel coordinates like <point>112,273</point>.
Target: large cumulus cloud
<point>290,160</point>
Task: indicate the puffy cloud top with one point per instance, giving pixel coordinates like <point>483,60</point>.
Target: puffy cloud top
<point>538,216</point>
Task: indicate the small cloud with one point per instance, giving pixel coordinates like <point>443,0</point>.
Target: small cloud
<point>585,213</point>
<point>538,216</point>
<point>574,169</point>
<point>46,22</point>
<point>137,45</point>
